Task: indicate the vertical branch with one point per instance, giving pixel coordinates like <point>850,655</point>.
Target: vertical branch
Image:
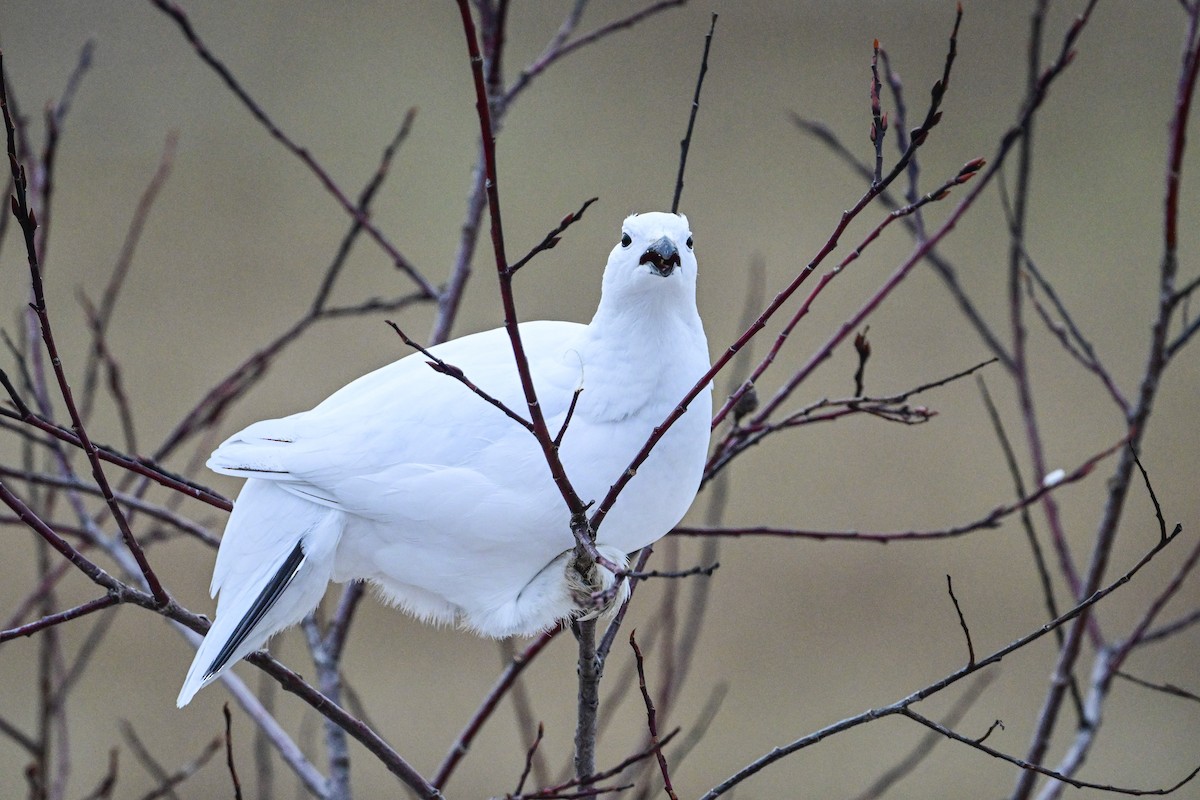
<point>686,143</point>
<point>589,703</point>
<point>329,681</point>
<point>1118,484</point>
<point>1020,364</point>
<point>589,672</point>
<point>1039,558</point>
<point>505,276</point>
<point>878,119</point>
<point>651,718</point>
<point>55,116</point>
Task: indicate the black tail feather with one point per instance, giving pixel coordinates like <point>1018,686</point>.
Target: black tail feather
<point>266,598</point>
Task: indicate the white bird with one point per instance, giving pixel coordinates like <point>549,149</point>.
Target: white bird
<point>407,479</point>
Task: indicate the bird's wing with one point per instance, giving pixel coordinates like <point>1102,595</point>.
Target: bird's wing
<point>406,417</point>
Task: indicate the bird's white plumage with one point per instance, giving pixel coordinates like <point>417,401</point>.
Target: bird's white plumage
<point>407,479</point>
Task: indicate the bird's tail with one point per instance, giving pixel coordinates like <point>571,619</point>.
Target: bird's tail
<point>267,581</point>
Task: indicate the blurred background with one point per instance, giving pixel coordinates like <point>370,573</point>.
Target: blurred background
<point>801,633</point>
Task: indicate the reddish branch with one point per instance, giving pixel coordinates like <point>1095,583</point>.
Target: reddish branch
<point>553,237</point>
<point>651,718</point>
<point>932,117</point>
<point>57,619</point>
<point>990,520</point>
<point>915,224</point>
<point>139,465</point>
<point>507,678</point>
<point>27,221</point>
<point>919,136</point>
<point>504,274</point>
<point>744,436</point>
<point>566,788</point>
<point>440,366</point>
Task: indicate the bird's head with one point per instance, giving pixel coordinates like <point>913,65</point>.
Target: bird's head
<point>653,256</point>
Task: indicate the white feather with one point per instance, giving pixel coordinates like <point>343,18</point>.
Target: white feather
<point>407,479</point>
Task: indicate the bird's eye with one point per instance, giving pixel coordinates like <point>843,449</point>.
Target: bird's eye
<point>689,243</point>
<point>625,240</point>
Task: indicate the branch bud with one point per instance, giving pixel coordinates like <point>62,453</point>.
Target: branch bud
<point>971,167</point>
<point>862,345</point>
<point>446,369</point>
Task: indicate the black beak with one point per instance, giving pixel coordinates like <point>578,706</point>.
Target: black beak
<point>662,257</point>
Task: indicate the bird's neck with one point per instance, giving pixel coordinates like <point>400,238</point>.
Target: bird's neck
<point>637,358</point>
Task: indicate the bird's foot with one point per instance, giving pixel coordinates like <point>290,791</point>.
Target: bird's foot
<point>594,589</point>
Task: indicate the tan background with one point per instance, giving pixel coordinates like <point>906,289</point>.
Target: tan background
<point>804,633</point>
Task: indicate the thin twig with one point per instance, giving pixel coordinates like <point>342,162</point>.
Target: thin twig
<point>27,221</point>
<point>553,237</point>
<point>962,621</point>
<point>440,366</point>
<point>893,408</point>
<point>931,689</point>
<point>1156,361</point>
<point>168,784</point>
<point>878,119</point>
<point>1030,768</point>
<point>492,699</point>
<point>888,780</point>
<point>177,15</point>
<point>233,776</point>
<point>685,144</point>
<point>651,718</point>
<point>116,281</point>
<point>81,610</point>
<point>559,48</point>
<point>1039,558</point>
<point>989,520</point>
<point>529,754</point>
<point>915,224</point>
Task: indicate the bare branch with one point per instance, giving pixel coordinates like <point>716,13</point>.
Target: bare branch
<point>553,237</point>
<point>929,690</point>
<point>529,754</point>
<point>440,366</point>
<point>1034,768</point>
<point>233,776</point>
<point>27,221</point>
<point>559,47</point>
<point>651,718</point>
<point>501,687</point>
<point>925,746</point>
<point>686,143</point>
<point>169,782</point>
<point>962,622</point>
<point>57,619</point>
<point>178,16</point>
